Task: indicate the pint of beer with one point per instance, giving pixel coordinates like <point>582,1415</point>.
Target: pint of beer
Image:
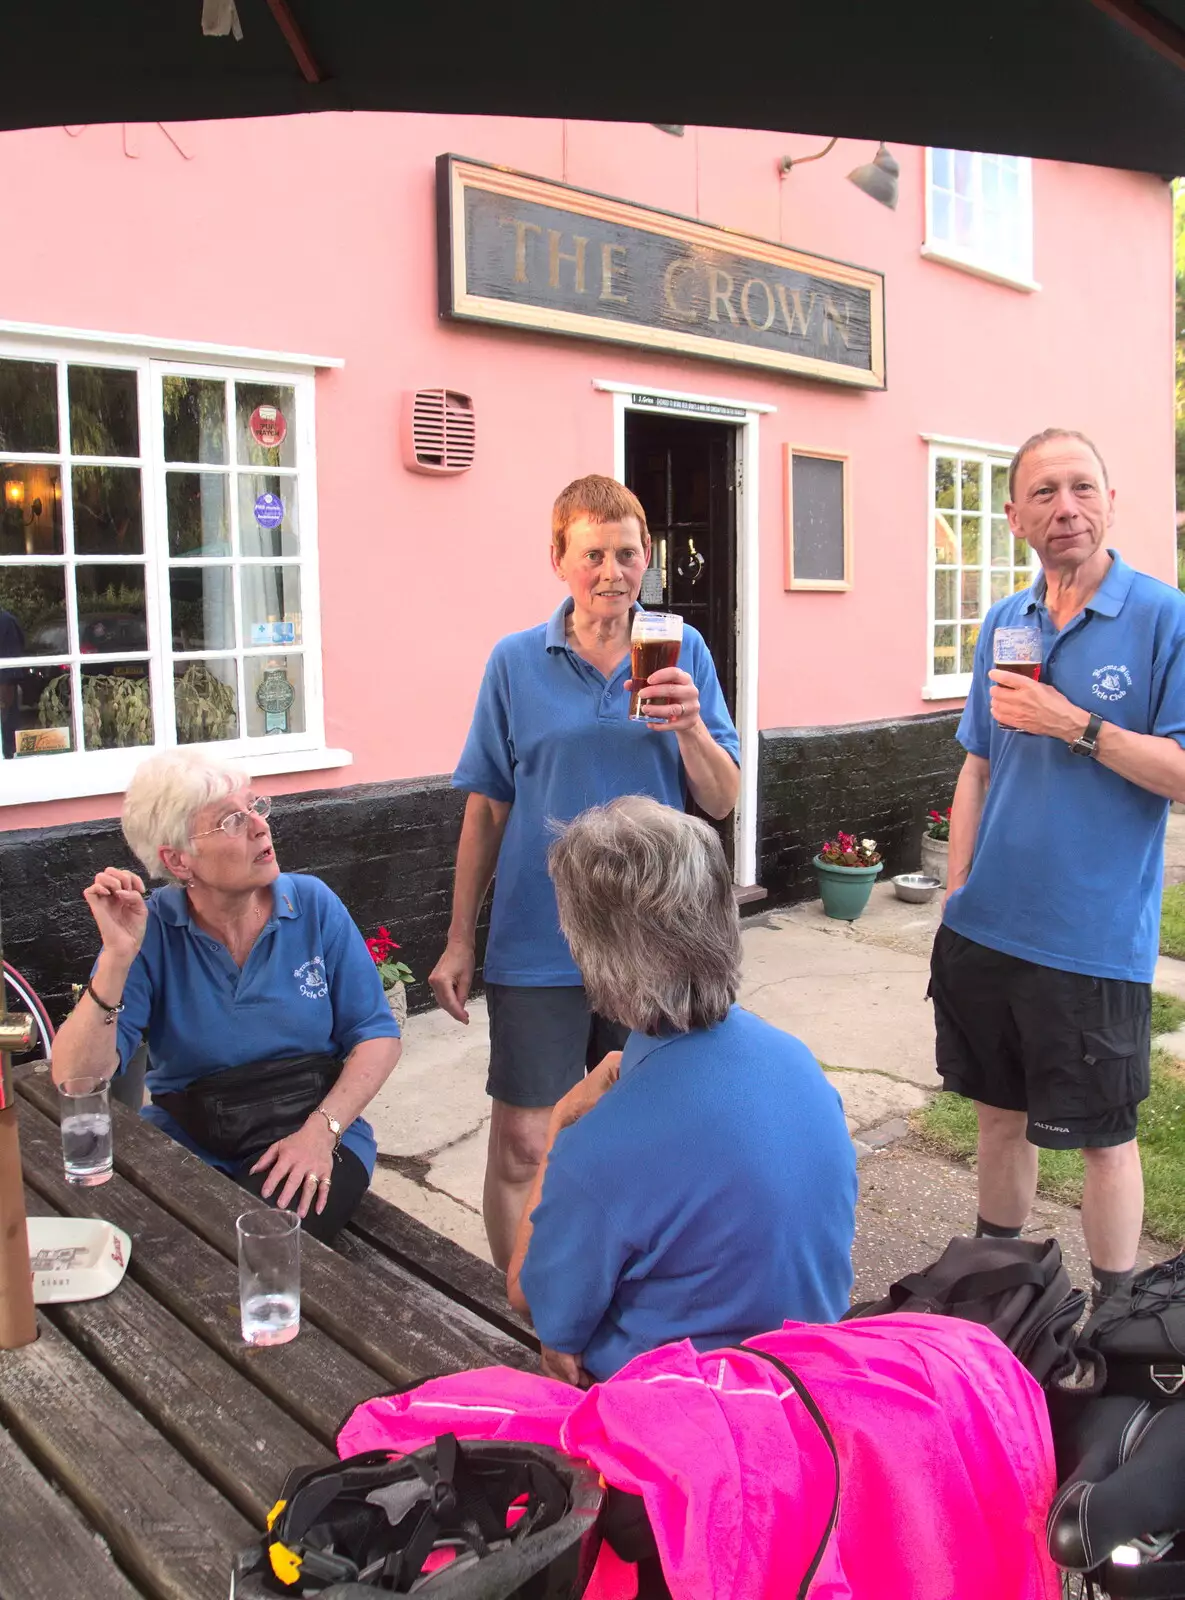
<point>655,642</point>
<point>1017,650</point>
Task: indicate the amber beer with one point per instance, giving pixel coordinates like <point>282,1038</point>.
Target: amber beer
<point>655,642</point>
<point>1017,650</point>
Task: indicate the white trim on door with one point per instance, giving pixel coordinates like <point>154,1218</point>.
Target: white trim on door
<point>745,416</point>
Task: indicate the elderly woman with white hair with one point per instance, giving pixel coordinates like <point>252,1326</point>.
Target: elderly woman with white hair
<point>267,1027</point>
<point>700,1183</point>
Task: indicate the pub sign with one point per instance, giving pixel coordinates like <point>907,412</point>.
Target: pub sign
<point>529,253</point>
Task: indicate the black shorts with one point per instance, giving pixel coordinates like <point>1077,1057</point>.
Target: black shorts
<point>1070,1050</point>
<point>543,1041</point>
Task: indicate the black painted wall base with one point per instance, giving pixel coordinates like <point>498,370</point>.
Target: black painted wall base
<point>873,779</point>
<point>388,848</point>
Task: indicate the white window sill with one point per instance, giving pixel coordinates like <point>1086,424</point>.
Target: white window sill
<point>992,274</point>
<point>30,780</point>
<point>947,689</point>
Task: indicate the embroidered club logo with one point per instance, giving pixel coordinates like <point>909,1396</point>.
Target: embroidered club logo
<point>1110,683</point>
<point>311,975</point>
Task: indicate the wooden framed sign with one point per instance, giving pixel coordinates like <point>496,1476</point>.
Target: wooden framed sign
<point>528,253</point>
<point>818,499</point>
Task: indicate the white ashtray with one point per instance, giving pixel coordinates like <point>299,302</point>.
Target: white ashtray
<point>75,1258</point>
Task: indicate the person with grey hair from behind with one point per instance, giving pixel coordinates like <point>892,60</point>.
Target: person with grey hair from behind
<point>699,1183</point>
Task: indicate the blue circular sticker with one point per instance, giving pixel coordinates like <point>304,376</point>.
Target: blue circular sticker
<point>269,511</point>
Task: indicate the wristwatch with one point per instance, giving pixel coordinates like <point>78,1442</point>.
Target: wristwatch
<point>335,1127</point>
<point>1087,742</point>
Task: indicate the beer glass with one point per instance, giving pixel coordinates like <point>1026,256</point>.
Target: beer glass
<point>655,642</point>
<point>1017,650</point>
<point>86,1131</point>
<point>269,1276</point>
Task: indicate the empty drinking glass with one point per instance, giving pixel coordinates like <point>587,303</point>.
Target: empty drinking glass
<point>269,1276</point>
<point>86,1130</point>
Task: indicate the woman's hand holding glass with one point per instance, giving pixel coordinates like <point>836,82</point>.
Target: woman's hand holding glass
<point>301,1167</point>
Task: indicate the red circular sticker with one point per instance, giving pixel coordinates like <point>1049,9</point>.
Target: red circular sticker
<point>268,427</point>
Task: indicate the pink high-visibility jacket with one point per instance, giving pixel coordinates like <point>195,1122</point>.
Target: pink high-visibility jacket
<point>946,1460</point>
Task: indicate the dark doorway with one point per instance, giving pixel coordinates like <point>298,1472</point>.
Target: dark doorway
<point>684,473</point>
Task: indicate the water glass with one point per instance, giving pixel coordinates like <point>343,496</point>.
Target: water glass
<point>269,1275</point>
<point>86,1130</point>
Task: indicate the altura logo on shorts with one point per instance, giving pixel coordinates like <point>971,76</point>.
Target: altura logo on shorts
<point>1050,1127</point>
<point>1110,683</point>
<point>313,984</point>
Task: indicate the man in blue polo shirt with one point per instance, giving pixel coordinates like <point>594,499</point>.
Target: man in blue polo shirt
<point>551,735</point>
<point>1042,969</point>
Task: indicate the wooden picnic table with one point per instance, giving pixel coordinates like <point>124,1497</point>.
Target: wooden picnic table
<point>141,1442</point>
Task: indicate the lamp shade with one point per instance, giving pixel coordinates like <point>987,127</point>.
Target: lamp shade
<point>878,178</point>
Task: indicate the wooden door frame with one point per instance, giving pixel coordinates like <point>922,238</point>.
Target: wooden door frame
<point>745,416</point>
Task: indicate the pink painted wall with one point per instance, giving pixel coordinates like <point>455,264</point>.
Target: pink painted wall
<point>317,234</point>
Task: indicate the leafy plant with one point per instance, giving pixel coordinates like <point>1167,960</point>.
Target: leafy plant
<point>845,850</point>
<point>116,711</point>
<point>391,972</point>
<point>206,708</point>
<point>938,824</point>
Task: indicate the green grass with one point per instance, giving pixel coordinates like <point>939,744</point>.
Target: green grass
<point>947,1125</point>
<point>1168,1013</point>
<point>1172,922</point>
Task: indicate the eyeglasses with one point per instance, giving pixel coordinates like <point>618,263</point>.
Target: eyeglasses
<point>234,823</point>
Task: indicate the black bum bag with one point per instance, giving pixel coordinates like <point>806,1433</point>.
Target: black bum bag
<point>238,1113</point>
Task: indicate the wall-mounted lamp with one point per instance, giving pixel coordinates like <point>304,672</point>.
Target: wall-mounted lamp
<point>676,128</point>
<point>14,499</point>
<point>877,178</point>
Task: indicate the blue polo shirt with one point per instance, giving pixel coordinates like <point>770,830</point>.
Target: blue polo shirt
<point>1069,857</point>
<point>308,987</point>
<point>550,737</point>
<point>710,1195</point>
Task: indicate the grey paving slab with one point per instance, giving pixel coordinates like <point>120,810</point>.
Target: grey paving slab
<point>437,1094</point>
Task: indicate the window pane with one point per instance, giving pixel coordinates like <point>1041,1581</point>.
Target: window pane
<point>990,178</point>
<point>275,694</point>
<point>940,213</point>
<point>1021,581</point>
<point>107,513</point>
<point>1022,556</point>
<point>944,483</point>
<point>964,229</point>
<point>999,488</point>
<point>111,613</point>
<point>971,556</point>
<point>971,478</point>
<point>195,419</point>
<point>1001,585</point>
<point>116,705</point>
<point>967,639</point>
<point>946,541</point>
<point>104,419</point>
<point>33,611</point>
<point>971,592</point>
<point>940,167</point>
<point>35,713</point>
<point>944,652</point>
<point>945,588</point>
<point>1001,543</point>
<point>28,405</point>
<point>31,510</point>
<point>207,701</point>
<point>203,608</point>
<point>198,512</point>
<point>271,605</point>
<point>963,163</point>
<point>267,516</point>
<point>264,415</point>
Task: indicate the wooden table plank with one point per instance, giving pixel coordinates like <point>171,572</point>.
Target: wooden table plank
<point>441,1262</point>
<point>46,1549</point>
<point>405,1336</point>
<point>312,1379</point>
<point>170,1529</point>
<point>242,1441</point>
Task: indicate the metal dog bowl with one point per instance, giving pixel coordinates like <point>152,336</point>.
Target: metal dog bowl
<point>915,887</point>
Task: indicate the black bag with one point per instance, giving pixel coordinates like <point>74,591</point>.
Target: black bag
<point>236,1114</point>
<point>1139,1334</point>
<point>1017,1287</point>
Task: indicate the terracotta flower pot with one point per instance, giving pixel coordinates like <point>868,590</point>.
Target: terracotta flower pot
<point>845,890</point>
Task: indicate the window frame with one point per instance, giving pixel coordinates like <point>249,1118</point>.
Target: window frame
<point>969,260</point>
<point>957,685</point>
<point>80,772</point>
<point>824,585</point>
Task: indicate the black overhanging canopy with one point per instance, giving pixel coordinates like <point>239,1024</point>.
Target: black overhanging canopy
<point>1099,81</point>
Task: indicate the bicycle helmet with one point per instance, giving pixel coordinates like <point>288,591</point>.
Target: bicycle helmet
<point>475,1521</point>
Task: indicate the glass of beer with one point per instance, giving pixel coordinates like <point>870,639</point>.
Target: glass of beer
<point>655,642</point>
<point>1017,650</point>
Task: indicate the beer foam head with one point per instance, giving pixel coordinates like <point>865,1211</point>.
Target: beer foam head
<point>664,625</point>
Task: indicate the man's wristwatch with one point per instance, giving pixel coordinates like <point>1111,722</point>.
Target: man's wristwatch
<point>1087,742</point>
<point>335,1127</point>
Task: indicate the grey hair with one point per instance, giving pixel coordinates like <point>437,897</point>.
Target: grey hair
<point>1046,436</point>
<point>166,793</point>
<point>646,905</point>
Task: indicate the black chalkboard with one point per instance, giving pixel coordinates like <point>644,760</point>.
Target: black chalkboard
<point>818,500</point>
